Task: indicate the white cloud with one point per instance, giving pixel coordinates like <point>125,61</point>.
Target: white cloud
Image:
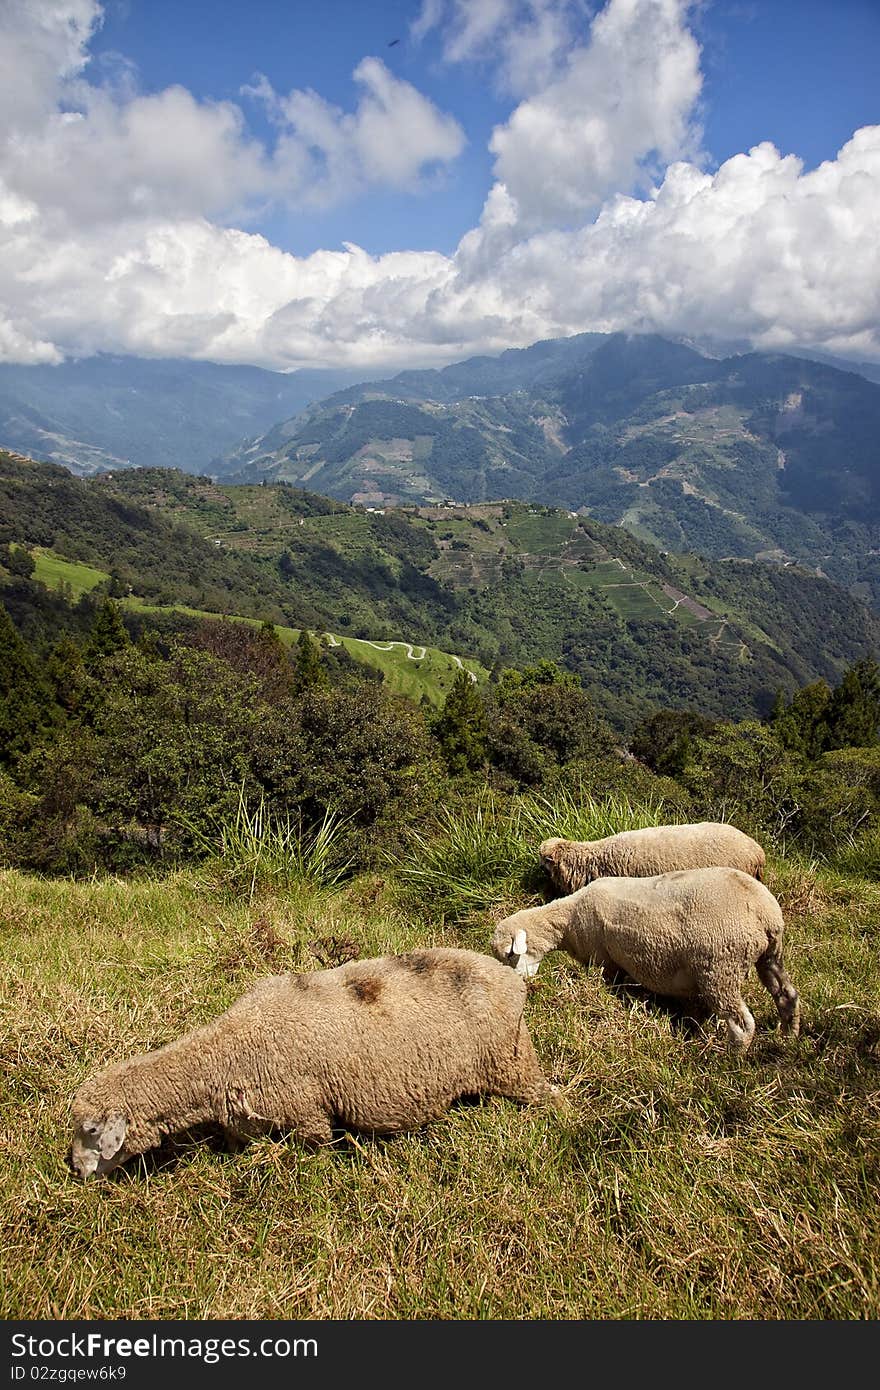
<point>393,136</point>
<point>43,49</point>
<point>523,41</point>
<point>163,154</point>
<point>758,250</point>
<point>625,97</point>
<point>85,152</point>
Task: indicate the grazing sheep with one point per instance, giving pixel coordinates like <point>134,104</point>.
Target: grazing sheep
<point>659,849</point>
<point>693,934</point>
<point>377,1045</point>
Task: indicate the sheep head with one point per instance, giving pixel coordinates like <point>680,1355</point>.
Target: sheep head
<point>510,944</point>
<point>548,853</point>
<point>569,864</point>
<point>98,1144</point>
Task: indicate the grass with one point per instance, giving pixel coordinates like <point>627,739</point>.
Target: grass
<point>670,1181</point>
<point>54,571</point>
<point>483,852</point>
<point>256,851</point>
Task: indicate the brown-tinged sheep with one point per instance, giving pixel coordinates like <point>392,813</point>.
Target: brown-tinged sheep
<point>693,934</point>
<point>374,1045</point>
<point>658,849</point>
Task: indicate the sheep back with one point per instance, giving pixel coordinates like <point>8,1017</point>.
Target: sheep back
<point>386,1044</point>
<point>680,933</point>
<point>571,864</point>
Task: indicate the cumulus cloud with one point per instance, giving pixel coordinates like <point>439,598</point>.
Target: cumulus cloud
<point>625,97</point>
<point>523,41</point>
<point>760,249</point>
<point>390,139</point>
<point>86,152</point>
<point>43,49</point>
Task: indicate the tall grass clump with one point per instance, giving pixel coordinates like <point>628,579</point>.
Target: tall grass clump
<point>485,850</point>
<point>465,858</point>
<point>255,851</point>
<point>573,814</point>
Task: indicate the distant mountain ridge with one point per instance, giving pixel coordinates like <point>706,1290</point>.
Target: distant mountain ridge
<point>751,455</point>
<point>755,455</point>
<point>121,412</point>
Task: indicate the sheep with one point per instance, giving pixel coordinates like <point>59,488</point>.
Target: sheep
<point>376,1045</point>
<point>659,849</point>
<point>692,934</point>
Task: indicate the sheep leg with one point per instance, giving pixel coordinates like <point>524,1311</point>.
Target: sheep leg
<point>313,1129</point>
<point>519,1075</point>
<point>740,1027</point>
<point>775,979</point>
<point>737,1018</point>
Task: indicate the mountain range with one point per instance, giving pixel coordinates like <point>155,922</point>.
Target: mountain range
<point>124,412</point>
<point>751,456</point>
<point>503,584</point>
<point>747,455</point>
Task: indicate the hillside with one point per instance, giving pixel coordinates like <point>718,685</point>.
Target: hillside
<point>755,455</point>
<point>120,412</point>
<point>498,583</point>
<point>658,1145</point>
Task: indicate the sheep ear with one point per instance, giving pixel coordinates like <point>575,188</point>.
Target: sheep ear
<point>520,943</point>
<point>112,1135</point>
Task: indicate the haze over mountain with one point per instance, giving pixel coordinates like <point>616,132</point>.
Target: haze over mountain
<point>119,412</point>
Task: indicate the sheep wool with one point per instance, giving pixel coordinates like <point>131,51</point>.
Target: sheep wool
<point>375,1045</point>
<point>658,849</point>
<point>693,934</point>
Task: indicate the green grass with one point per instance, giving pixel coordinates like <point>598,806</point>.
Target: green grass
<point>539,534</point>
<point>54,571</point>
<point>623,590</point>
<point>483,852</point>
<point>669,1181</point>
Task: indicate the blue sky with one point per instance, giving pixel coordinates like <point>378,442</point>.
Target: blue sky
<point>803,74</point>
<point>191,178</point>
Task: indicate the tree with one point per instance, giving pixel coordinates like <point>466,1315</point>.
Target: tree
<point>23,697</point>
<point>173,742</point>
<point>854,708</point>
<point>308,669</point>
<point>66,671</point>
<point>664,741</point>
<point>462,727</point>
<point>802,725</point>
<point>19,561</point>
<point>542,718</point>
<point>744,770</point>
<point>108,634</point>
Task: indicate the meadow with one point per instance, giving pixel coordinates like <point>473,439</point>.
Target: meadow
<point>669,1180</point>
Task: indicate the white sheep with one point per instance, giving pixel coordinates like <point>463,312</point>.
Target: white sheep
<point>693,934</point>
<point>657,849</point>
<point>375,1045</point>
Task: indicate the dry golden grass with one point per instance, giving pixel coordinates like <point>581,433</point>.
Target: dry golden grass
<point>670,1181</point>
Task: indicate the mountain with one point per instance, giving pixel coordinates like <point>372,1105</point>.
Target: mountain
<point>500,583</point>
<point>121,412</point>
<point>753,456</point>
